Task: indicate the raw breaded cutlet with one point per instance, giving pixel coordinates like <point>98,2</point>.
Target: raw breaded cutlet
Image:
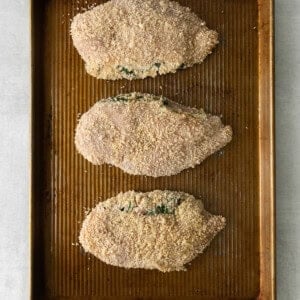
<point>148,135</point>
<point>161,230</point>
<point>139,38</point>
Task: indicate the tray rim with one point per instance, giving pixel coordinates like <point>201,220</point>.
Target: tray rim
<point>266,150</point>
<point>266,130</point>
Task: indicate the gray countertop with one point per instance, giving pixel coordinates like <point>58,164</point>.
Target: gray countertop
<point>287,33</point>
<point>14,150</point>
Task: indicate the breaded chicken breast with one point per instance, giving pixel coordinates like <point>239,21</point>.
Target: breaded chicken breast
<point>148,135</point>
<point>161,230</point>
<point>139,38</point>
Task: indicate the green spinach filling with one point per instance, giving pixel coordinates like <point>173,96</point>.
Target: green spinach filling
<point>118,98</point>
<point>131,73</point>
<point>162,208</point>
<point>126,71</point>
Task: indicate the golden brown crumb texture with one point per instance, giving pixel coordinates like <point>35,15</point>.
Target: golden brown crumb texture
<point>140,38</point>
<point>148,135</point>
<point>161,230</point>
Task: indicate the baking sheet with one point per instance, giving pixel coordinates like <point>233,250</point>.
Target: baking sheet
<point>237,182</point>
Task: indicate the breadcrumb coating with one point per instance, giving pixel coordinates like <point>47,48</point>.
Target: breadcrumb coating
<point>148,135</point>
<point>121,232</point>
<point>139,38</point>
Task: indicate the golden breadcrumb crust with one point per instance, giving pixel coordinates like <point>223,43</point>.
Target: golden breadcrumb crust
<point>148,135</point>
<point>140,38</point>
<point>129,231</point>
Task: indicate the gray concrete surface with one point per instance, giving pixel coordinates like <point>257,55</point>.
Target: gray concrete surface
<point>14,149</point>
<point>14,154</point>
<point>287,13</point>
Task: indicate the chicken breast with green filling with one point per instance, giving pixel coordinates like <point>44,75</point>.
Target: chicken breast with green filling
<point>139,38</point>
<point>161,230</point>
<point>148,135</point>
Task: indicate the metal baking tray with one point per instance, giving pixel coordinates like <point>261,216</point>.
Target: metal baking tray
<point>235,81</point>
